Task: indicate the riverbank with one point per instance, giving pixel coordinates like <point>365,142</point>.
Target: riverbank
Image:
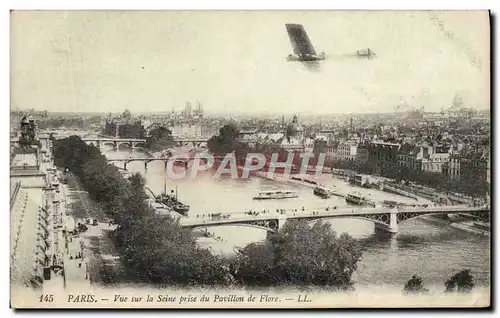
<point>466,226</point>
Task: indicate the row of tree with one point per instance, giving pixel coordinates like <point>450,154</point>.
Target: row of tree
<point>157,249</point>
<point>472,185</point>
<point>128,130</point>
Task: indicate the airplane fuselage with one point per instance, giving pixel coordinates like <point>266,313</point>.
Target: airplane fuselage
<point>305,57</point>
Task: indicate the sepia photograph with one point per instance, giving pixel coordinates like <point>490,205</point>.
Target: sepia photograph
<point>250,159</point>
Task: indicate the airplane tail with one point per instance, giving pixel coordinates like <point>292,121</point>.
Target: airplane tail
<point>299,39</point>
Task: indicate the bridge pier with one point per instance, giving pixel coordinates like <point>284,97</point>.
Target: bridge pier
<point>269,234</point>
<point>145,165</point>
<point>125,166</point>
<point>391,228</point>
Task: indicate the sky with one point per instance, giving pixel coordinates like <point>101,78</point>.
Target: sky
<point>153,61</point>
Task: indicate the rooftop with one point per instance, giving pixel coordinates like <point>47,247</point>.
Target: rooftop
<point>25,159</point>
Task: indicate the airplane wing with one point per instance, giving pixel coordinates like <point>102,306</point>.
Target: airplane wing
<point>299,39</point>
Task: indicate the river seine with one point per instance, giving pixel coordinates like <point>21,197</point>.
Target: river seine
<point>425,247</point>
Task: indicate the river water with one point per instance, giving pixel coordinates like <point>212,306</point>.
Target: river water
<point>422,246</point>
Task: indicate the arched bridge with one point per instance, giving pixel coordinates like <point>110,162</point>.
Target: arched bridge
<point>146,161</point>
<point>187,141</point>
<point>384,218</point>
<point>116,142</point>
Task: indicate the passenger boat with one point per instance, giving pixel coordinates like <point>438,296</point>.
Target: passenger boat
<point>389,204</point>
<point>172,201</point>
<point>358,199</point>
<point>275,194</point>
<point>322,191</point>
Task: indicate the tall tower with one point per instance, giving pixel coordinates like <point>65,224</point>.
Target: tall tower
<point>187,109</point>
<point>24,140</point>
<point>28,131</point>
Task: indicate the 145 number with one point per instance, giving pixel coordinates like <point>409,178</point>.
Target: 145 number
<point>46,298</point>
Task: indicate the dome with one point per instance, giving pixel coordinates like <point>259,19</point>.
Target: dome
<point>295,124</point>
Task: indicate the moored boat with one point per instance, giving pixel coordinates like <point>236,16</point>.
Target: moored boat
<point>322,192</point>
<point>357,199</point>
<point>181,208</point>
<point>276,194</point>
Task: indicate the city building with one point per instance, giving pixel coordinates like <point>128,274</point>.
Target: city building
<point>362,152</point>
<point>454,166</point>
<point>30,239</point>
<point>410,157</point>
<point>346,150</point>
<point>383,156</point>
<point>436,161</point>
<point>474,164</point>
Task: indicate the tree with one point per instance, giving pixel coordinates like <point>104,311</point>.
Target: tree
<point>225,142</point>
<point>160,138</point>
<point>414,286</point>
<point>461,282</point>
<point>300,255</point>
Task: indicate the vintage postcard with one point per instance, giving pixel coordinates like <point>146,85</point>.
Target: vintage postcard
<point>264,159</point>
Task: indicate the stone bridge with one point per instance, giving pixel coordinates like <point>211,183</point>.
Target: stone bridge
<point>187,141</point>
<point>116,142</point>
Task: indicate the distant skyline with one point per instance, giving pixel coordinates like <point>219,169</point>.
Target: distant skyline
<point>153,61</point>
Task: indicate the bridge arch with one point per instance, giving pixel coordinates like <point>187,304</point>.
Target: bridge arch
<point>108,143</point>
<point>260,227</point>
<point>156,159</point>
<point>140,144</point>
<point>384,219</point>
<point>126,143</point>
